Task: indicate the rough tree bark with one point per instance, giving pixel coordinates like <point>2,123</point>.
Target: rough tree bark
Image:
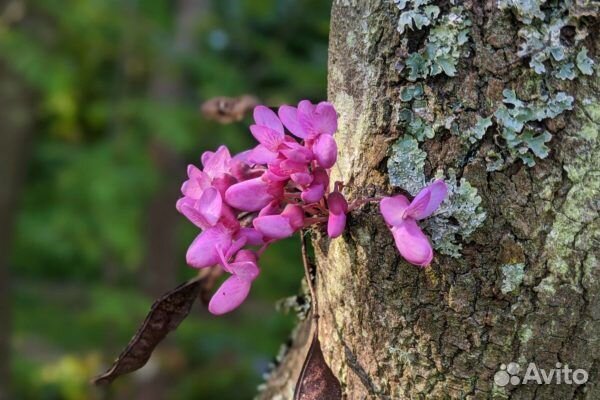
<point>393,331</point>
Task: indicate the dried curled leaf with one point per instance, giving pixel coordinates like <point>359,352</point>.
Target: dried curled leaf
<point>165,315</point>
<point>226,110</point>
<point>316,381</point>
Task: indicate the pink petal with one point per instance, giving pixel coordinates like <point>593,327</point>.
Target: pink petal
<point>266,117</point>
<point>270,209</point>
<point>393,209</point>
<point>434,194</point>
<point>337,204</point>
<point>326,118</point>
<point>205,158</point>
<point>236,245</point>
<point>261,155</point>
<point>419,204</point>
<point>187,207</point>
<point>246,255</point>
<point>336,223</point>
<point>210,205</point>
<point>302,178</point>
<point>274,226</point>
<point>325,150</point>
<point>253,237</point>
<point>296,152</point>
<point>193,171</point>
<point>338,207</point>
<point>203,250</point>
<point>267,137</point>
<point>318,120</point>
<point>285,168</point>
<point>313,193</point>
<point>289,117</point>
<point>223,183</point>
<point>250,195</point>
<point>245,270</point>
<point>295,215</point>
<point>196,184</point>
<point>216,164</point>
<point>229,296</point>
<point>321,177</point>
<point>412,243</point>
<point>229,218</point>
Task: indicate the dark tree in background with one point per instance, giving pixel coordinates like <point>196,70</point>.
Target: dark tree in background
<point>15,132</point>
<point>505,104</point>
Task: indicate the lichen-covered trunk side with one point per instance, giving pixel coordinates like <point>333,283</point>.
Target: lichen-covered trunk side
<point>515,277</point>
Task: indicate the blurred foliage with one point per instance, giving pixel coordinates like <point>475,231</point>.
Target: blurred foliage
<point>93,66</point>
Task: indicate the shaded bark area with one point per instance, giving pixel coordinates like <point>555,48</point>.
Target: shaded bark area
<point>16,125</point>
<point>394,331</point>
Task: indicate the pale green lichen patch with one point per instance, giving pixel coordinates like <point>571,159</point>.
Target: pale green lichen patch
<point>420,14</point>
<point>405,165</point>
<point>512,277</point>
<point>584,63</point>
<point>476,133</point>
<point>525,334</point>
<point>541,38</point>
<point>522,140</point>
<point>525,10</point>
<point>457,217</point>
<point>442,48</point>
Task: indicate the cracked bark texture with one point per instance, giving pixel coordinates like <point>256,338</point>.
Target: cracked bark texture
<point>393,331</point>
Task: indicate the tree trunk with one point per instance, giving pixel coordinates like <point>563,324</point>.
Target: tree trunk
<point>525,286</point>
<point>16,125</point>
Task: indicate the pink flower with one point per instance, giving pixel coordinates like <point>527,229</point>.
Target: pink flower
<point>216,164</point>
<point>279,226</point>
<point>253,194</point>
<point>338,207</point>
<point>317,188</point>
<point>309,121</point>
<point>401,215</point>
<point>205,211</point>
<point>325,150</point>
<point>203,252</point>
<point>268,131</point>
<point>244,270</point>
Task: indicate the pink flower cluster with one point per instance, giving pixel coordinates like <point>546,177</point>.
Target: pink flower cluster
<point>244,203</point>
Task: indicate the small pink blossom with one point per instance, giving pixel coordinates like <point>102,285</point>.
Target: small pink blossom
<point>401,216</point>
<point>309,121</point>
<point>244,270</point>
<point>338,207</point>
<point>279,226</point>
<point>251,195</point>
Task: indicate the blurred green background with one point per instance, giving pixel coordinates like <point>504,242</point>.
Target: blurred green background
<point>99,111</point>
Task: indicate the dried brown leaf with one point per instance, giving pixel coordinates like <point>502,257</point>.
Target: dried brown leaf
<point>226,110</point>
<point>165,315</point>
<point>316,381</point>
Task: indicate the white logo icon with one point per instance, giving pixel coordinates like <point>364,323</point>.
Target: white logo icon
<point>562,374</point>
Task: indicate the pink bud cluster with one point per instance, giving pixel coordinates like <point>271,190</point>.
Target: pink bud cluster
<point>246,202</point>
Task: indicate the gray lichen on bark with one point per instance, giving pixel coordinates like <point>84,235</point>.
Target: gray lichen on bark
<point>393,331</point>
